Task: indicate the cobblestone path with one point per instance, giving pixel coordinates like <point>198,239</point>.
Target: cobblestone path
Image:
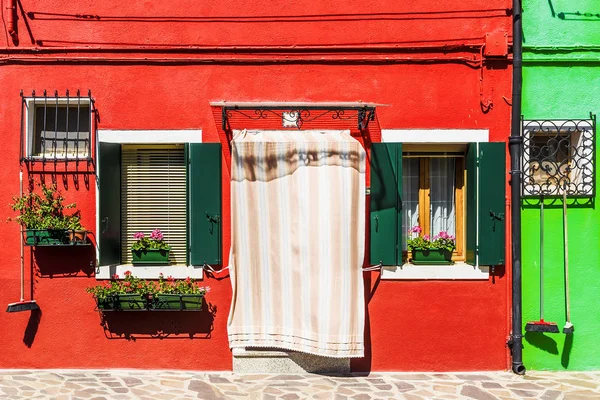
<point>151,385</point>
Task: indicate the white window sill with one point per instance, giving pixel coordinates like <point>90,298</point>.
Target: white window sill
<point>456,271</point>
<point>151,272</point>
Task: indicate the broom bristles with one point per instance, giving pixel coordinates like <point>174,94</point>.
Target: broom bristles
<point>23,306</point>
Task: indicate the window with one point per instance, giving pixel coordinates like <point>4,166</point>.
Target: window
<point>58,128</point>
<point>153,196</point>
<point>175,187</point>
<point>557,155</point>
<point>432,191</point>
<point>457,188</point>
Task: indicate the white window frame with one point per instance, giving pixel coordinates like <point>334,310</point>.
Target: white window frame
<point>30,105</point>
<point>459,270</point>
<point>146,137</point>
<point>575,142</point>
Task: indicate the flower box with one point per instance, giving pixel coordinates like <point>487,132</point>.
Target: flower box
<point>177,302</point>
<point>131,302</point>
<point>151,257</point>
<point>45,237</point>
<point>106,303</point>
<point>432,256</point>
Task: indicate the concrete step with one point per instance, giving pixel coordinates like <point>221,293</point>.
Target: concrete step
<point>259,360</point>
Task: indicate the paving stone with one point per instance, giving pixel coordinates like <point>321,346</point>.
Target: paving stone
<point>524,393</point>
<point>580,383</point>
<point>404,386</point>
<point>525,385</point>
<point>550,395</point>
<point>476,393</point>
<point>205,391</point>
<point>490,385</point>
<point>473,377</point>
<point>362,396</point>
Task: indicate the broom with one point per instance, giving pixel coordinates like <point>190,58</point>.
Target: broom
<point>568,328</point>
<point>541,325</point>
<point>22,305</point>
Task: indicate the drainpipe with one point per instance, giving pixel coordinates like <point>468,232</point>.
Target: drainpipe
<point>10,21</point>
<point>515,144</point>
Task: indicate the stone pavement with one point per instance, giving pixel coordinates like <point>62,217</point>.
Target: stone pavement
<point>151,385</point>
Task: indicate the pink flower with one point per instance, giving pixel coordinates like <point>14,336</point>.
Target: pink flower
<point>207,288</point>
<point>451,237</point>
<point>115,276</point>
<point>138,235</point>
<point>416,229</point>
<point>426,237</point>
<point>156,235</point>
<point>443,235</point>
<point>127,273</point>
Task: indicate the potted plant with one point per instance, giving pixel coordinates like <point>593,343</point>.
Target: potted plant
<point>426,250</point>
<point>135,294</point>
<point>150,250</point>
<point>44,218</point>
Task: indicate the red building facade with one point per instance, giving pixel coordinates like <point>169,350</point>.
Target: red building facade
<point>439,70</point>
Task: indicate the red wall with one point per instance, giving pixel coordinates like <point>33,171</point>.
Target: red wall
<point>417,325</point>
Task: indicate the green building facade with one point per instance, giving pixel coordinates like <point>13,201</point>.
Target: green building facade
<point>561,81</point>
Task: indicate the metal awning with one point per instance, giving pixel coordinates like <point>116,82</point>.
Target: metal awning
<point>299,112</point>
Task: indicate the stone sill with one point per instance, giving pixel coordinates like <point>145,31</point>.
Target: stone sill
<point>458,271</point>
<point>151,272</point>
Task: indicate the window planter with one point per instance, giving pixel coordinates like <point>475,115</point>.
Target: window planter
<point>157,302</point>
<point>45,237</point>
<point>122,302</point>
<point>177,302</point>
<point>55,237</point>
<point>150,257</point>
<point>431,257</point>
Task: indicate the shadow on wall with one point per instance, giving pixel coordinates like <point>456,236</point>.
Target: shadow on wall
<point>549,345</point>
<point>133,325</point>
<point>32,327</point>
<point>574,15</point>
<point>64,261</point>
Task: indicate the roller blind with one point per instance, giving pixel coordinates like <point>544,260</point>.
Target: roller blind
<point>153,196</point>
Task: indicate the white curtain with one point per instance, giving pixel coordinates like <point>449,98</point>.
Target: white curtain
<point>410,196</point>
<point>443,212</point>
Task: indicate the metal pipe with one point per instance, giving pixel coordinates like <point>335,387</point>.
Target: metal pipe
<point>458,45</point>
<point>515,144</point>
<point>473,62</point>
<point>11,25</point>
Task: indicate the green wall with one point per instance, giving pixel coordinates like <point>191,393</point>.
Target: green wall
<point>561,80</point>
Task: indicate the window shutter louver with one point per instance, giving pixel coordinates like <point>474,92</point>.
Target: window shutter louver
<point>385,203</point>
<point>109,176</point>
<point>204,187</point>
<point>154,196</point>
<point>486,190</point>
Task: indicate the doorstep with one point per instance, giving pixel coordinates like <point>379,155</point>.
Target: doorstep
<point>268,361</point>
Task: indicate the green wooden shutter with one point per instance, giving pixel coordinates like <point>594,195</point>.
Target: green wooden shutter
<point>486,190</point>
<point>204,178</point>
<point>386,217</point>
<point>109,179</point>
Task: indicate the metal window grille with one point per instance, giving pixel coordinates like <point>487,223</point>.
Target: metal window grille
<point>57,128</point>
<point>558,156</point>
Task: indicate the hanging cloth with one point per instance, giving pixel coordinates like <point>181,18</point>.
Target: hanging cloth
<point>297,242</point>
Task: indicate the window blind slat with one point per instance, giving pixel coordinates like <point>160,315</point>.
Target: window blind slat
<point>154,196</point>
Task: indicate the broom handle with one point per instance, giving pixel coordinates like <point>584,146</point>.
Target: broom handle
<point>21,235</point>
<point>542,258</point>
<point>567,300</point>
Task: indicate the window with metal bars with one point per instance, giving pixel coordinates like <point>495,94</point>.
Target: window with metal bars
<point>57,128</point>
<point>558,156</point>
